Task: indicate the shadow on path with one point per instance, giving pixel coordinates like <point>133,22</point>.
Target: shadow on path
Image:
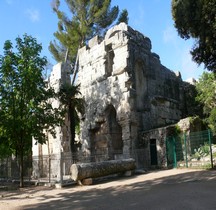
<point>191,190</point>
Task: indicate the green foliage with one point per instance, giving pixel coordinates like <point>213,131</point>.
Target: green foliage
<point>193,107</point>
<point>177,130</point>
<point>214,155</point>
<point>207,95</point>
<point>88,18</point>
<point>25,98</point>
<point>202,151</point>
<point>212,120</point>
<point>174,130</point>
<point>196,19</point>
<point>123,17</point>
<point>77,129</point>
<point>5,150</point>
<point>70,97</point>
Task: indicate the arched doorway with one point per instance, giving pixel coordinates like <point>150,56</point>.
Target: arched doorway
<point>106,140</point>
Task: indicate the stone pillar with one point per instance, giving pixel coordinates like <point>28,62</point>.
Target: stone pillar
<point>126,137</point>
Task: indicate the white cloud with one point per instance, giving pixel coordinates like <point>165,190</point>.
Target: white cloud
<point>170,35</point>
<point>33,15</point>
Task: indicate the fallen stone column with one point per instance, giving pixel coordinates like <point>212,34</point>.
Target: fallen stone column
<point>99,169</point>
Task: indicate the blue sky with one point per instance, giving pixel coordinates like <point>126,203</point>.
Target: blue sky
<point>150,17</point>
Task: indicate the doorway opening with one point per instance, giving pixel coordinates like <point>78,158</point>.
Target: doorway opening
<point>153,152</point>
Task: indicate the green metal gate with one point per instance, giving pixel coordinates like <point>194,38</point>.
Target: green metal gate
<point>191,150</point>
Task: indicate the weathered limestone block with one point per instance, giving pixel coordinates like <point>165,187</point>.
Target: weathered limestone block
<point>115,29</point>
<point>121,71</point>
<point>184,124</point>
<point>94,41</point>
<point>94,170</point>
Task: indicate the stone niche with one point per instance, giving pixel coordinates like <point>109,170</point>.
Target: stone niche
<point>127,90</point>
<point>106,137</point>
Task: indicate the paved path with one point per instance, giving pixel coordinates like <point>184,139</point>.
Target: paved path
<point>169,190</point>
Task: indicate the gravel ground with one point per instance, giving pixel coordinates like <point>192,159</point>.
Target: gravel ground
<point>164,189</point>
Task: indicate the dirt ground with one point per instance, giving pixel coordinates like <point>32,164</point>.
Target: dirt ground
<point>163,189</point>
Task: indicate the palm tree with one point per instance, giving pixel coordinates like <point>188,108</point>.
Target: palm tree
<point>74,105</point>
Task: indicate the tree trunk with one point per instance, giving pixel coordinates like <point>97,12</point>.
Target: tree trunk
<point>72,130</point>
<point>49,155</point>
<point>21,169</point>
<point>75,68</point>
<point>94,170</point>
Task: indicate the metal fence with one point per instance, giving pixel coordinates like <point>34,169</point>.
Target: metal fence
<point>193,150</point>
<point>184,150</point>
<point>55,168</point>
<point>9,168</point>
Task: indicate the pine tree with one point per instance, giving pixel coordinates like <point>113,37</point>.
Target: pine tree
<point>89,18</point>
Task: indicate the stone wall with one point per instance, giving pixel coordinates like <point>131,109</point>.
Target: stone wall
<point>187,125</point>
<point>47,157</point>
<point>127,93</point>
<point>121,74</point>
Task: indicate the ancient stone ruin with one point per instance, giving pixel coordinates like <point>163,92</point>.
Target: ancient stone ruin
<point>127,92</point>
